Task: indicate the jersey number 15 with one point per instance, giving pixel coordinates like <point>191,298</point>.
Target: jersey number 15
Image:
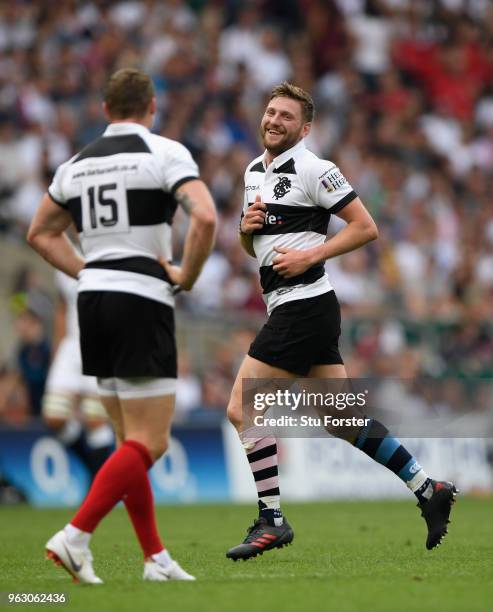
<point>104,209</point>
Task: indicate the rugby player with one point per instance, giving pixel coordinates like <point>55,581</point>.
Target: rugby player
<point>121,192</point>
<point>290,195</point>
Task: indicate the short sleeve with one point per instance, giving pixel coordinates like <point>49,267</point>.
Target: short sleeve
<point>55,190</point>
<point>245,202</point>
<point>327,186</point>
<point>179,167</point>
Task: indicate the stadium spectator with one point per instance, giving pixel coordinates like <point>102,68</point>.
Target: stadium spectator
<point>391,134</point>
<point>33,356</point>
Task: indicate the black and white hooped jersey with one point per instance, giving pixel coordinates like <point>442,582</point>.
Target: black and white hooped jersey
<point>120,192</point>
<point>300,191</point>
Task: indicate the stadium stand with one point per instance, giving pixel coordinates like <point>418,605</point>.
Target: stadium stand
<point>404,95</point>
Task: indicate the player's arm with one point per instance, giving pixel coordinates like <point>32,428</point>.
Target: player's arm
<point>46,236</point>
<point>360,230</point>
<point>246,241</point>
<point>253,219</point>
<point>197,202</point>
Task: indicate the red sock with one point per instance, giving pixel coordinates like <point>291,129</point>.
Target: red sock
<point>140,507</point>
<point>123,473</point>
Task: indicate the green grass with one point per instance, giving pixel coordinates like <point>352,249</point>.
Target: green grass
<point>345,557</point>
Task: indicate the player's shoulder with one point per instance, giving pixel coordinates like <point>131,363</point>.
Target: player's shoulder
<point>310,164</point>
<point>61,171</point>
<point>68,163</point>
<point>256,165</point>
<point>316,173</point>
<point>166,146</point>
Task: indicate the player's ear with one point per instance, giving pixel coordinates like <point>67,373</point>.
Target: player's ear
<point>306,129</point>
<point>153,106</point>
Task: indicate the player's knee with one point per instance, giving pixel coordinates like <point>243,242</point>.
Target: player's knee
<point>235,414</point>
<point>158,446</point>
<point>119,433</point>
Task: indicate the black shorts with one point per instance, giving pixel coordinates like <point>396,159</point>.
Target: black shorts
<point>125,335</point>
<point>300,334</point>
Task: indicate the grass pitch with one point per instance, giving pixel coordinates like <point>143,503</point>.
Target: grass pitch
<point>345,557</point>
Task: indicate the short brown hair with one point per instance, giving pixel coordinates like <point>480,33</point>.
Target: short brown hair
<point>288,90</point>
<point>128,93</point>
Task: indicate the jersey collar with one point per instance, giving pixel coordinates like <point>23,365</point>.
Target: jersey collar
<point>115,129</point>
<point>278,161</point>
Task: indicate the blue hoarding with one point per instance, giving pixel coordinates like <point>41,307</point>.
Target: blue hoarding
<point>193,469</point>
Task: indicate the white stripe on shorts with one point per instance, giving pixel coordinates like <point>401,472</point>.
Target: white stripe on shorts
<point>135,388</point>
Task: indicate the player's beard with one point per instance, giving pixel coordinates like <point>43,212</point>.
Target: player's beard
<point>281,145</point>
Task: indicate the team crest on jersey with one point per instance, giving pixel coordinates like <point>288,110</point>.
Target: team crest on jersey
<point>282,187</point>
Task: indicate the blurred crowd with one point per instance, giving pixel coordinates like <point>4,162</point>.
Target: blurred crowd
<point>404,100</point>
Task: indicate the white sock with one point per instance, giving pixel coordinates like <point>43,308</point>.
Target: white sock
<point>163,558</point>
<point>272,502</point>
<point>76,537</point>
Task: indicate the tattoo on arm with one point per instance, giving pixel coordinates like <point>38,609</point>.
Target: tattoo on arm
<point>185,202</point>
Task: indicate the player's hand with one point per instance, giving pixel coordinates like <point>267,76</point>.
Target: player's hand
<point>291,262</point>
<point>254,217</point>
<point>176,276</point>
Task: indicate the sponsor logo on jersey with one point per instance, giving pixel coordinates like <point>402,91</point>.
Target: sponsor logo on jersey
<point>283,290</point>
<point>282,187</point>
<point>252,188</point>
<point>334,180</point>
<point>271,219</point>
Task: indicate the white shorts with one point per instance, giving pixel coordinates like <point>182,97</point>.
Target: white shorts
<point>65,376</point>
<point>134,388</point>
